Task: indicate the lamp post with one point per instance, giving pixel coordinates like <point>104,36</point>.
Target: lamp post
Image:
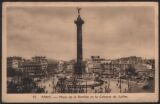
<point>86,86</point>
<point>109,81</point>
<point>120,81</point>
<point>74,85</point>
<point>128,74</point>
<point>128,84</point>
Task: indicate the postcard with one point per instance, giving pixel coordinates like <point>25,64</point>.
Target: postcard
<point>80,52</point>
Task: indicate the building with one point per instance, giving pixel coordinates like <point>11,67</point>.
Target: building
<point>94,64</point>
<point>41,60</point>
<point>69,66</point>
<point>14,62</point>
<point>60,65</point>
<point>31,68</point>
<point>129,60</point>
<point>35,67</point>
<point>144,70</point>
<point>14,65</point>
<point>52,67</point>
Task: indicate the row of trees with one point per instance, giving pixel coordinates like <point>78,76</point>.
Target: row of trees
<point>26,85</point>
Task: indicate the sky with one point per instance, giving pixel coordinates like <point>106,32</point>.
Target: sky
<point>109,32</point>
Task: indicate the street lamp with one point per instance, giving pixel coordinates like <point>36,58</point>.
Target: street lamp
<point>109,81</point>
<point>128,84</point>
<point>120,81</point>
<point>129,73</point>
<point>86,86</point>
<point>129,78</point>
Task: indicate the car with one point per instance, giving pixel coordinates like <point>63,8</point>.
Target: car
<point>123,77</point>
<point>146,86</point>
<point>150,78</point>
<point>138,77</point>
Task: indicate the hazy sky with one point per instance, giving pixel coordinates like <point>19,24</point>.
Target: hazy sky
<point>110,32</point>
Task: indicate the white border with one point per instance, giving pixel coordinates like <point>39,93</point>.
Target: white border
<point>132,97</point>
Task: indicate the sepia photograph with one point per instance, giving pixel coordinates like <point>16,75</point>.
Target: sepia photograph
<point>92,52</point>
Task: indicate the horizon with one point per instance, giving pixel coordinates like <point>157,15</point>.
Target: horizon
<point>83,59</point>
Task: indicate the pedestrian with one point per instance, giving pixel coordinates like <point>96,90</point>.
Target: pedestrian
<point>125,90</point>
<point>101,89</point>
<point>95,91</point>
<point>105,89</point>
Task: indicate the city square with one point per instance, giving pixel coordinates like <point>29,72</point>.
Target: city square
<point>95,74</point>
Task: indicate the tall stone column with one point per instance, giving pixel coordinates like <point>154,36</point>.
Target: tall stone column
<point>79,64</point>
